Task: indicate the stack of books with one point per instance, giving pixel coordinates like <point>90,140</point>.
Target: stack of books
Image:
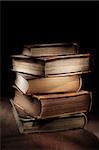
<point>49,95</point>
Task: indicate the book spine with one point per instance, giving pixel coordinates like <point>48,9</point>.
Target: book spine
<point>90,105</point>
<point>18,122</point>
<point>86,120</point>
<point>76,47</point>
<point>80,83</point>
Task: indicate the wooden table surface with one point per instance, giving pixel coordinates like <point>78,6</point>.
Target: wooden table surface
<point>79,139</point>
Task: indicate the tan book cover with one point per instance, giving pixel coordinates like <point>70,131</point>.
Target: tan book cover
<point>58,84</point>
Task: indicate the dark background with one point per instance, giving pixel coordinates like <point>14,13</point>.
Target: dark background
<point>40,22</point>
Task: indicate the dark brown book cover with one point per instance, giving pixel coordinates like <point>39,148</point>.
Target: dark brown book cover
<point>53,105</point>
<point>28,125</point>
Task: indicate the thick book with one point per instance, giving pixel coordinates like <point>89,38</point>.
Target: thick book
<point>31,125</point>
<point>60,65</point>
<point>59,84</point>
<point>53,105</point>
<point>51,49</point>
<point>27,65</point>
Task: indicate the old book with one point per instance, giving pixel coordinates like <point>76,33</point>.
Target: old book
<point>53,105</point>
<point>52,49</point>
<point>68,83</point>
<point>24,64</point>
<point>60,65</point>
<point>30,125</point>
<point>67,64</point>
